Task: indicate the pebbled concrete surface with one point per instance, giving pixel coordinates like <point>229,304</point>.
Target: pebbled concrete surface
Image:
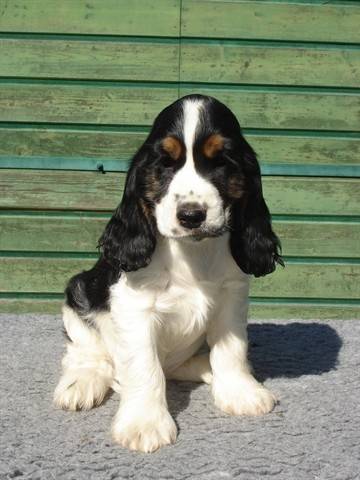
<point>314,433</point>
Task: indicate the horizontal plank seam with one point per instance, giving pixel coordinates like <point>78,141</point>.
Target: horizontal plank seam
<point>254,300</point>
<point>144,129</point>
<point>304,300</point>
<point>122,162</point>
<point>103,83</point>
<point>76,127</point>
<point>291,260</point>
<point>173,40</point>
<point>332,219</point>
<point>246,87</point>
<point>170,39</point>
<point>270,43</point>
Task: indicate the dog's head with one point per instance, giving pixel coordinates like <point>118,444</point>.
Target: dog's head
<point>194,177</point>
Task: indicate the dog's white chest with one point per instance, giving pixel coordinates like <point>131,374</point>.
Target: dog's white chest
<point>184,312</point>
<point>186,305</point>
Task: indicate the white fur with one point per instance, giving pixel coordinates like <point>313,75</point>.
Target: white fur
<point>160,315</point>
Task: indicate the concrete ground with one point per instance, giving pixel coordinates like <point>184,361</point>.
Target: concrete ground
<point>314,433</point>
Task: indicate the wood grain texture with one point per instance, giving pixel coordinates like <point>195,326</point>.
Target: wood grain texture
<point>38,304</point>
<point>304,280</point>
<point>303,311</point>
<point>61,190</point>
<point>74,103</point>
<point>39,274</point>
<point>51,233</point>
<point>310,280</point>
<point>69,143</point>
<point>66,190</point>
<point>136,104</point>
<point>96,17</point>
<point>90,59</point>
<point>308,150</point>
<point>318,22</point>
<point>101,144</point>
<point>219,62</point>
<point>313,196</point>
<point>223,62</point>
<point>319,238</point>
<point>284,109</point>
<point>80,233</point>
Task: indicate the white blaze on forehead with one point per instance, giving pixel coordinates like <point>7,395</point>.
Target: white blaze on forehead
<point>191,120</point>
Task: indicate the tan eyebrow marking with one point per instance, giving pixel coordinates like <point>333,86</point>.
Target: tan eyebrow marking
<point>213,145</point>
<point>172,146</point>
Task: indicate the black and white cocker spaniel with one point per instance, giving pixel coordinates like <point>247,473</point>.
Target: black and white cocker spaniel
<point>176,260</point>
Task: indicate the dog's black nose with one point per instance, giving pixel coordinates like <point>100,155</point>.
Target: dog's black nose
<point>191,215</point>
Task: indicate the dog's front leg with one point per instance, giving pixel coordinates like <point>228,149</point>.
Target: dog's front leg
<point>143,421</point>
<point>234,388</point>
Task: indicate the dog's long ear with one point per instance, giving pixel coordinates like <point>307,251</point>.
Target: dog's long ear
<point>129,238</point>
<point>254,246</point>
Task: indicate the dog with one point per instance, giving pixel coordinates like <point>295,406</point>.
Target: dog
<point>174,269</point>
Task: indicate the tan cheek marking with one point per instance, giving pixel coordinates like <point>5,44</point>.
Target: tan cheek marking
<point>213,145</point>
<point>236,187</point>
<point>172,146</point>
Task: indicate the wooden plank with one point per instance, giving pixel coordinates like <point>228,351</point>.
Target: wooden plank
<point>39,189</point>
<point>319,238</point>
<point>287,109</point>
<point>51,233</point>
<point>100,104</point>
<point>310,21</point>
<point>65,190</point>
<point>80,232</point>
<point>99,17</point>
<point>306,150</point>
<point>308,311</point>
<point>102,144</point>
<point>90,59</point>
<point>310,280</point>
<point>304,280</point>
<point>225,62</point>
<point>139,105</point>
<point>303,311</point>
<point>39,274</point>
<point>36,305</point>
<point>302,196</point>
<point>73,144</point>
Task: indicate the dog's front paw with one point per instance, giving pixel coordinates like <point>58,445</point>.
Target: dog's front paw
<point>142,429</point>
<point>80,390</point>
<point>243,397</point>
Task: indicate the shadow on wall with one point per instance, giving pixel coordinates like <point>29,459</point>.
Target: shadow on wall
<point>292,350</point>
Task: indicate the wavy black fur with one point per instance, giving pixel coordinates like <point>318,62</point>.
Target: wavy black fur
<point>254,246</point>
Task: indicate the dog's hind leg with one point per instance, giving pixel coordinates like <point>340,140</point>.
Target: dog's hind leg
<point>195,369</point>
<point>87,367</point>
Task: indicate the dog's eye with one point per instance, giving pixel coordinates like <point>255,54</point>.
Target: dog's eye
<point>219,160</point>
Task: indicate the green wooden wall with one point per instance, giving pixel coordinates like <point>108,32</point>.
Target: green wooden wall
<point>80,84</point>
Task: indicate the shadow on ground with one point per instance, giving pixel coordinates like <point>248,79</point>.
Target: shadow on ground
<point>292,350</point>
<point>277,350</point>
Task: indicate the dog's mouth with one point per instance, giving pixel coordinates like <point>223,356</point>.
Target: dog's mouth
<point>198,234</point>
